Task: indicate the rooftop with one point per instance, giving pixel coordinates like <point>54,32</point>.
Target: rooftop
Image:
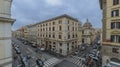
<point>64,15</point>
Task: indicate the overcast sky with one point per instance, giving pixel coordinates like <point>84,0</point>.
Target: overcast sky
<point>32,11</point>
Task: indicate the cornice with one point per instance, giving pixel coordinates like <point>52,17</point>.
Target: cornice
<point>7,20</point>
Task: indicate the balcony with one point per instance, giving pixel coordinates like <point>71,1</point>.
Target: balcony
<point>111,44</point>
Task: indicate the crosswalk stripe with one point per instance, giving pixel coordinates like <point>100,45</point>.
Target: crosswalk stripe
<point>76,60</point>
<point>50,62</point>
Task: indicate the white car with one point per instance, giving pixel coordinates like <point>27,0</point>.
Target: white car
<point>42,49</point>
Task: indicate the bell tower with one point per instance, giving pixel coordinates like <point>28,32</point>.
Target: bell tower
<point>5,33</point>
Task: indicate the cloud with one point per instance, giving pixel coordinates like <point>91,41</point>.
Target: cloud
<point>32,11</point>
<point>54,2</point>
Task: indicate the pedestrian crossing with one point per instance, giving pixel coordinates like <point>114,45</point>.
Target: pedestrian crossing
<point>50,61</point>
<point>76,60</point>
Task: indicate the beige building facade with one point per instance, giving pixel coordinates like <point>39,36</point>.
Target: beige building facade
<point>5,33</point>
<point>59,34</point>
<point>32,33</point>
<point>111,32</point>
<point>88,33</point>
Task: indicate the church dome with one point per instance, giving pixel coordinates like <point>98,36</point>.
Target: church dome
<point>87,24</point>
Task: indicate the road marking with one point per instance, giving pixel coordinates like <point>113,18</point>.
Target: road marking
<point>33,65</point>
<point>19,65</point>
<point>27,52</point>
<point>30,50</point>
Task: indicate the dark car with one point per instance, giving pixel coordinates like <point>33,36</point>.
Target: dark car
<point>17,50</point>
<point>34,45</point>
<point>39,62</point>
<point>25,43</point>
<point>28,56</point>
<point>24,61</point>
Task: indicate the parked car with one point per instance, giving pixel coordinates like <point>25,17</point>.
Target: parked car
<point>82,48</point>
<point>39,62</point>
<point>28,56</point>
<point>17,50</point>
<point>25,62</point>
<point>42,49</point>
<point>38,51</point>
<point>34,45</point>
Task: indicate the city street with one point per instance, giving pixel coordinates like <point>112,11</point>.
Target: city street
<point>49,60</point>
<point>28,50</point>
<point>86,52</point>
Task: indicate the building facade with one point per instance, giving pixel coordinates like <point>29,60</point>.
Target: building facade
<point>59,34</point>
<point>5,33</point>
<point>32,33</point>
<point>88,33</point>
<point>111,32</point>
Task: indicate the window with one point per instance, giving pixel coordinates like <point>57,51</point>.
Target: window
<point>43,29</point>
<point>68,22</point>
<point>75,41</point>
<point>46,35</point>
<point>67,46</point>
<point>53,28</point>
<point>60,50</point>
<point>73,28</point>
<point>49,23</point>
<point>49,29</point>
<point>53,23</point>
<point>38,34</point>
<point>115,50</point>
<point>68,36</point>
<point>73,35</point>
<point>53,36</point>
<point>60,28</point>
<point>76,29</point>
<point>115,25</point>
<point>68,28</point>
<point>46,24</point>
<point>68,49</point>
<point>115,13</point>
<point>73,23</point>
<point>72,47</point>
<point>72,42</point>
<point>83,32</point>
<point>60,21</point>
<point>43,24</point>
<point>60,37</point>
<point>60,44</point>
<point>115,38</point>
<point>49,35</point>
<point>76,35</point>
<point>54,43</point>
<point>46,29</point>
<point>115,2</point>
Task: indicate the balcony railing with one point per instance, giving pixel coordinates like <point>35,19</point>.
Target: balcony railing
<point>111,43</point>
